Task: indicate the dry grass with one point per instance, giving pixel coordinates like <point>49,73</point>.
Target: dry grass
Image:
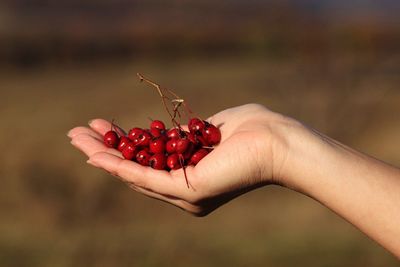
<point>56,211</point>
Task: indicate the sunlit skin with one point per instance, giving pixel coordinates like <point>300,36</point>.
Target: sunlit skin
<point>261,147</point>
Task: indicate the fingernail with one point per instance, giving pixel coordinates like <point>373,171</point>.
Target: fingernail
<point>91,162</point>
<point>68,133</point>
<point>90,122</point>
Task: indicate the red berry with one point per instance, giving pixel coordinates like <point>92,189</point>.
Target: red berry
<point>196,126</point>
<point>192,138</point>
<point>202,141</point>
<point>111,139</point>
<point>211,134</point>
<point>173,162</point>
<point>197,139</point>
<point>155,132</point>
<point>129,152</point>
<point>158,161</point>
<point>123,142</point>
<point>142,139</point>
<point>189,151</point>
<point>156,124</point>
<point>134,133</point>
<point>182,145</point>
<point>157,146</point>
<point>170,146</point>
<point>143,157</point>
<point>198,155</point>
<point>173,133</point>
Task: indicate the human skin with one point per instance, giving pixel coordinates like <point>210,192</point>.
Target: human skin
<point>260,147</point>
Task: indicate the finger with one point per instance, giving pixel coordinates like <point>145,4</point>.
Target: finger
<point>182,204</point>
<point>157,181</point>
<point>102,126</point>
<point>168,199</point>
<point>83,130</point>
<point>90,145</point>
<point>185,128</point>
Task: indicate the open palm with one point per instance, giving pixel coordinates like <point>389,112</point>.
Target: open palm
<point>241,162</point>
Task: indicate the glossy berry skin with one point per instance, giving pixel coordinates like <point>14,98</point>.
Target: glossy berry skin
<point>111,139</point>
<point>196,126</point>
<point>173,133</point>
<point>182,145</point>
<point>198,155</point>
<point>155,132</point>
<point>134,133</point>
<point>142,139</point>
<point>170,146</point>
<point>129,152</point>
<point>192,138</point>
<point>123,141</point>
<point>173,162</point>
<point>202,141</point>
<point>189,151</point>
<point>197,140</point>
<point>156,124</point>
<point>143,157</point>
<point>157,146</point>
<point>211,134</point>
<point>158,161</point>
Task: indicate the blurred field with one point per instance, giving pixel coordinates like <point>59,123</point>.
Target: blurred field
<point>57,211</point>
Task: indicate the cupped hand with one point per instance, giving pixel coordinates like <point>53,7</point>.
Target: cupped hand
<point>250,154</point>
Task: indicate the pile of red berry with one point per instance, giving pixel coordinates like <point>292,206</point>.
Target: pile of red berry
<point>166,149</point>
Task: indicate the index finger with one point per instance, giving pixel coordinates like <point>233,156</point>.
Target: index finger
<point>158,181</point>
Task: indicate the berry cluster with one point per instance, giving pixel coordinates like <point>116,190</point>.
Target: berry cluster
<point>166,149</point>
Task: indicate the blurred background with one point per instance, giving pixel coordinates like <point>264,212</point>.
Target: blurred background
<point>333,64</point>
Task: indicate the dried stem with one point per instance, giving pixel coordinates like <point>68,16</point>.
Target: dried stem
<point>161,92</point>
<point>187,110</point>
<point>184,169</point>
<point>176,100</point>
<point>176,103</point>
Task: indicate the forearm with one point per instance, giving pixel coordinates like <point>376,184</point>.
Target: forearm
<point>361,189</point>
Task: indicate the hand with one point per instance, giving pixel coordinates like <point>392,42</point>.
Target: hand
<point>250,155</point>
<point>259,147</point>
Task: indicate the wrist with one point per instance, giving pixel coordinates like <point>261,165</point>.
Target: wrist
<point>295,149</point>
<point>309,157</point>
<point>281,137</point>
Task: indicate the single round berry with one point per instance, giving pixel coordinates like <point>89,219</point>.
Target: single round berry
<point>170,146</point>
<point>111,139</point>
<point>143,157</point>
<point>123,141</point>
<point>157,146</point>
<point>129,152</point>
<point>173,133</point>
<point>189,151</point>
<point>173,162</point>
<point>202,141</point>
<point>158,161</point>
<point>196,126</point>
<point>182,145</point>
<point>134,133</point>
<point>192,138</point>
<point>211,134</point>
<point>198,155</point>
<point>142,139</point>
<point>156,132</point>
<point>156,124</point>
